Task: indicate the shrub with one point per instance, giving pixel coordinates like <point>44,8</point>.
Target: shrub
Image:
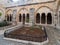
<point>0,14</point>
<point>4,23</point>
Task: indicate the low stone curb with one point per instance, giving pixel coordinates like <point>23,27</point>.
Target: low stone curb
<point>28,42</point>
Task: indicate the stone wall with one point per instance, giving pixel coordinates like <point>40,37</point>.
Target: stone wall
<point>40,7</point>
<point>2,10</point>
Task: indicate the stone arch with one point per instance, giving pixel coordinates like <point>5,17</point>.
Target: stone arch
<point>44,10</point>
<point>23,11</point>
<point>44,7</point>
<point>9,15</point>
<point>9,11</point>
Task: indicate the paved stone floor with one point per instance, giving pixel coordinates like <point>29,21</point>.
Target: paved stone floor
<point>6,42</point>
<point>51,32</point>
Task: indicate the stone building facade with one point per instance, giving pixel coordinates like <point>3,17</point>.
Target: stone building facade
<point>43,13</point>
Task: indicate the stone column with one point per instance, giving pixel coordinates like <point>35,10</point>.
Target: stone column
<point>32,16</point>
<point>40,18</point>
<point>46,19</point>
<point>55,19</point>
<point>14,17</point>
<point>52,18</point>
<point>59,17</point>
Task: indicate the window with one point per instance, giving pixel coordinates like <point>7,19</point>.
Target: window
<point>19,17</point>
<point>23,18</point>
<point>27,18</point>
<point>38,18</point>
<point>43,18</point>
<point>49,18</point>
<point>10,17</point>
<point>7,17</point>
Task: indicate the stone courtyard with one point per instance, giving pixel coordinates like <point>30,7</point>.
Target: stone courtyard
<point>28,13</point>
<point>53,35</point>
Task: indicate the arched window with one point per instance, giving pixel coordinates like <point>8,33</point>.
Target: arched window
<point>10,17</point>
<point>27,18</point>
<point>19,17</point>
<point>43,18</point>
<point>38,18</point>
<point>7,17</point>
<point>49,18</point>
<point>23,18</point>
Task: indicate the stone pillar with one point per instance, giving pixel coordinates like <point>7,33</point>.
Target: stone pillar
<point>46,19</point>
<point>40,18</point>
<point>14,17</point>
<point>32,16</point>
<point>55,20</point>
<point>59,18</point>
<point>58,14</point>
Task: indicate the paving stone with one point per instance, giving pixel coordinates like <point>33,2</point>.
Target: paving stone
<point>51,32</point>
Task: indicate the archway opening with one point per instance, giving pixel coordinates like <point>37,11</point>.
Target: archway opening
<point>7,17</point>
<point>23,18</point>
<point>49,18</point>
<point>10,17</point>
<point>38,18</point>
<point>27,18</point>
<point>43,18</point>
<point>19,17</point>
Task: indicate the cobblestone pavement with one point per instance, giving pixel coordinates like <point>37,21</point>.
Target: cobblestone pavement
<point>51,32</point>
<point>5,42</point>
